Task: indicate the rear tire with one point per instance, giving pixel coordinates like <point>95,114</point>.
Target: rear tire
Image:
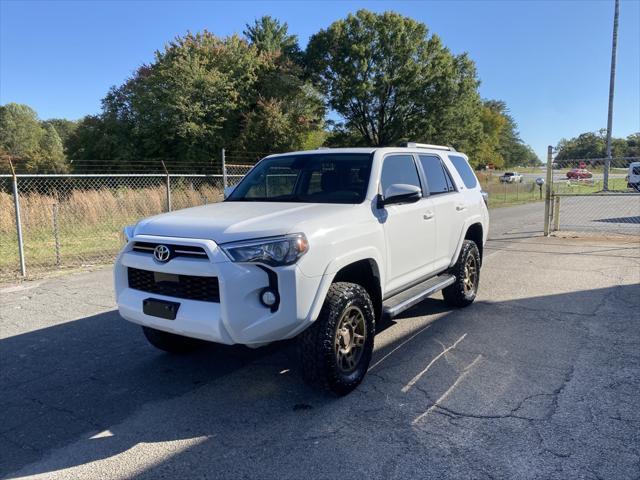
<point>172,343</point>
<point>335,351</point>
<point>463,291</point>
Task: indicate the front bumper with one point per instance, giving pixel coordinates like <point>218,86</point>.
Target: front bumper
<point>239,317</point>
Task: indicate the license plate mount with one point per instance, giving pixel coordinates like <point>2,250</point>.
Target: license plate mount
<point>160,308</point>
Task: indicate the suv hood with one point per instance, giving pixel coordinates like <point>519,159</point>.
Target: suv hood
<point>230,221</point>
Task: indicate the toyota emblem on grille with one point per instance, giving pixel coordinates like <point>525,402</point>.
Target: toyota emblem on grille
<point>161,253</point>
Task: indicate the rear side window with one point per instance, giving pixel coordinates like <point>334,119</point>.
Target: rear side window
<point>399,169</point>
<point>437,176</point>
<point>635,170</point>
<point>464,169</point>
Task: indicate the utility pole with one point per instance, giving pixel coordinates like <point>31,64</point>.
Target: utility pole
<point>612,80</point>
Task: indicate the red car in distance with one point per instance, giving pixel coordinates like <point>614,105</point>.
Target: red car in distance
<point>579,174</point>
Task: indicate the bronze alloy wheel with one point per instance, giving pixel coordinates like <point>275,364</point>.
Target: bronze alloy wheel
<point>350,338</point>
<point>335,350</point>
<point>470,274</point>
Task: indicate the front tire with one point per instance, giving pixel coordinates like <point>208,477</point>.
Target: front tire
<point>463,291</point>
<point>170,342</point>
<point>335,351</point>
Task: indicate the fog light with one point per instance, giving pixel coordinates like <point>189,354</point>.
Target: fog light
<point>268,297</point>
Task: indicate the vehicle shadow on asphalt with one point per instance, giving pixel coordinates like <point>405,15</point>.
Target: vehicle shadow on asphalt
<point>246,409</point>
<point>60,382</point>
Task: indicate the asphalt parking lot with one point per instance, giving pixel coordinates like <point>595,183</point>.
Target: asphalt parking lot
<point>540,378</point>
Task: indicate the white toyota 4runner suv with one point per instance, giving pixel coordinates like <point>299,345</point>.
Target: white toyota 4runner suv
<point>317,244</point>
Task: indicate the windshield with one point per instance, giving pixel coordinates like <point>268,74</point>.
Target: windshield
<point>309,178</point>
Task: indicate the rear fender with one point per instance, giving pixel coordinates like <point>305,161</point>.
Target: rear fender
<point>469,221</point>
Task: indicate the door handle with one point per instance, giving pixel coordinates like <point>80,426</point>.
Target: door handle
<point>428,215</point>
<point>460,208</point>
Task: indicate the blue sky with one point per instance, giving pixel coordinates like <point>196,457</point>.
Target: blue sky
<point>549,60</point>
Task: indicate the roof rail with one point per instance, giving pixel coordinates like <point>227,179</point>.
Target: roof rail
<point>426,145</point>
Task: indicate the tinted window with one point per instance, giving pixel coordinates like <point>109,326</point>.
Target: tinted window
<point>312,178</point>
<point>464,169</point>
<point>436,175</point>
<point>399,169</point>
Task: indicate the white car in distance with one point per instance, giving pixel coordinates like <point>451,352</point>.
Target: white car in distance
<point>511,177</point>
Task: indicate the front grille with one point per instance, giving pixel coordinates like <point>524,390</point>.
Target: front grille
<point>175,250</point>
<point>205,289</point>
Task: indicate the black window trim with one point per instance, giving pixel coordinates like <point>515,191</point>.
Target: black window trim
<point>424,189</point>
<point>446,171</point>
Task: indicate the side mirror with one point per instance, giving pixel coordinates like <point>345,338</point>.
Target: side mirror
<point>228,191</point>
<point>399,193</point>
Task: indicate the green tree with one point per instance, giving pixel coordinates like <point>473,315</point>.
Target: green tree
<point>63,127</point>
<point>493,125</point>
<point>633,145</point>
<point>390,80</point>
<point>288,113</point>
<point>280,124</point>
<point>94,147</point>
<point>505,143</point>
<point>20,130</point>
<point>51,157</point>
<point>31,145</point>
<point>585,145</point>
<point>202,93</point>
<point>591,145</point>
<point>268,35</point>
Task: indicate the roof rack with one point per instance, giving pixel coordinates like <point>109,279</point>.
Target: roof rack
<point>426,145</point>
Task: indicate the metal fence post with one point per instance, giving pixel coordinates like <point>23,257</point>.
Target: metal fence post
<point>16,204</point>
<point>224,171</point>
<point>56,236</point>
<point>168,186</point>
<point>547,195</point>
<point>556,213</point>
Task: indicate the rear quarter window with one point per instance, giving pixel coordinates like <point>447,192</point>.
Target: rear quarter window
<point>465,171</point>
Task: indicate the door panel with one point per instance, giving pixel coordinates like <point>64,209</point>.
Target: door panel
<point>409,228</point>
<point>410,233</point>
<point>449,215</point>
<point>448,206</point>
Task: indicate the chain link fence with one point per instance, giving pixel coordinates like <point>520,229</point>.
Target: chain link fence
<point>507,190</point>
<point>76,220</point>
<point>581,202</point>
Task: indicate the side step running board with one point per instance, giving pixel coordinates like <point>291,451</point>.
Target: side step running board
<point>414,295</point>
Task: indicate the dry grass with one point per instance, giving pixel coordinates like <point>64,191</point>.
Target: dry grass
<point>88,222</point>
<point>96,207</point>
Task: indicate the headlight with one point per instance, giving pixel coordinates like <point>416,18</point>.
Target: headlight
<point>274,251</point>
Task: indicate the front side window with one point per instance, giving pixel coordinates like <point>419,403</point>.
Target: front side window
<point>309,178</point>
<point>437,176</point>
<point>464,169</point>
<point>399,169</point>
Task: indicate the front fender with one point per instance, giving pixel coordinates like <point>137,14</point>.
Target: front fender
<point>365,253</point>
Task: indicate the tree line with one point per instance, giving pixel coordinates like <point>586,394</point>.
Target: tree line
<point>594,145</point>
<point>367,80</point>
